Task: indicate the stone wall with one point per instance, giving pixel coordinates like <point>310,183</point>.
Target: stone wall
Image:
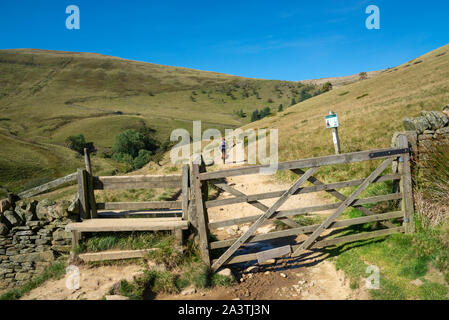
<point>423,132</point>
<point>32,236</point>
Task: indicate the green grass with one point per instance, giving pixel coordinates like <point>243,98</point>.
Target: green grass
<point>182,270</point>
<point>401,259</point>
<point>124,241</point>
<point>55,271</point>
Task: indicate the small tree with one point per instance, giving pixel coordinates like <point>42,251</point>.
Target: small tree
<point>255,115</point>
<point>266,112</point>
<point>363,75</point>
<point>142,159</point>
<point>78,143</point>
<point>293,101</point>
<point>129,142</point>
<point>280,108</point>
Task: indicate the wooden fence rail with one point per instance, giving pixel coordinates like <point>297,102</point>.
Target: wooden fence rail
<point>48,186</point>
<point>87,184</point>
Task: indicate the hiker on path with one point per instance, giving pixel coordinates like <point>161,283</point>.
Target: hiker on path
<point>223,149</point>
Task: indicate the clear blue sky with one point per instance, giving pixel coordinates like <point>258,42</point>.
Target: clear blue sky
<point>288,40</point>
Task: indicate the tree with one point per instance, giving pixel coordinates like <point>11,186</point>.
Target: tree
<point>78,143</point>
<point>293,101</point>
<point>255,115</point>
<point>142,159</point>
<point>265,112</point>
<point>129,142</point>
<point>280,108</point>
<point>363,75</point>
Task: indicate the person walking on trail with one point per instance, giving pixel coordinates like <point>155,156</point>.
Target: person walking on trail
<point>223,149</point>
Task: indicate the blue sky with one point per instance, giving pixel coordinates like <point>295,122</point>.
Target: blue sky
<point>288,40</point>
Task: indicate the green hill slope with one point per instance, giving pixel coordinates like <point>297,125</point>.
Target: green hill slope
<point>369,111</point>
<point>46,96</point>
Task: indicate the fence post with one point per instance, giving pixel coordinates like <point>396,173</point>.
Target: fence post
<point>201,213</point>
<point>185,190</point>
<point>90,185</point>
<point>406,186</point>
<point>82,194</point>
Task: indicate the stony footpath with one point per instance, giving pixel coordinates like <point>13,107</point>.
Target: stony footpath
<point>32,236</point>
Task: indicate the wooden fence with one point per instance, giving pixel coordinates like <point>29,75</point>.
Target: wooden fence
<point>306,169</point>
<point>87,184</point>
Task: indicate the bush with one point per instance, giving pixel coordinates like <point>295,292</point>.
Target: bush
<point>129,142</point>
<point>78,143</point>
<point>136,148</point>
<point>142,159</point>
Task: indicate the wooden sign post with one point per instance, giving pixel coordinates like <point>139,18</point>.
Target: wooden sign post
<point>332,123</point>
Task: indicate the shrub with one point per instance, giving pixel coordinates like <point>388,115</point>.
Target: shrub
<point>142,159</point>
<point>78,143</point>
<point>255,115</point>
<point>129,142</point>
<point>135,148</point>
<point>265,112</point>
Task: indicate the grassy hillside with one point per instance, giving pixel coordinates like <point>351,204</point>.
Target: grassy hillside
<point>369,111</point>
<point>46,96</point>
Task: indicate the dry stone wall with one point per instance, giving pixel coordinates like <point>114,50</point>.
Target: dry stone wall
<point>427,130</point>
<point>32,236</point>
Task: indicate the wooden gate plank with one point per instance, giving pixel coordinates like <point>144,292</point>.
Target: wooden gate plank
<point>231,250</point>
<point>345,204</point>
<point>224,186</point>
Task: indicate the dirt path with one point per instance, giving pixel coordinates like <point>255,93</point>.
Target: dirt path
<point>95,283</point>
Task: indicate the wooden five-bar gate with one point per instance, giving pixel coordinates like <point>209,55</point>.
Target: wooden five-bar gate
<point>397,158</point>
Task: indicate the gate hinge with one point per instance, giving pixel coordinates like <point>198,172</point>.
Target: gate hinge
<point>388,153</point>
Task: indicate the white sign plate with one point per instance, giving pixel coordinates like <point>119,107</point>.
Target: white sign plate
<point>331,121</point>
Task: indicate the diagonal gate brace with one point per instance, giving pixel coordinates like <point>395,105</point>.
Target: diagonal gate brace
<point>243,238</point>
<point>342,197</point>
<point>344,205</point>
<point>227,188</point>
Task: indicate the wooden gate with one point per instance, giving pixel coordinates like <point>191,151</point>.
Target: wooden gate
<point>306,169</point>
